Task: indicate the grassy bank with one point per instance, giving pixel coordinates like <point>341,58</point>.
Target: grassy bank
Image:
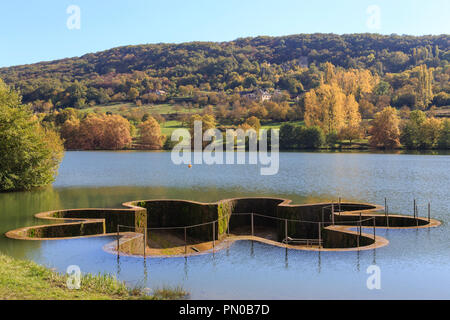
<point>26,280</point>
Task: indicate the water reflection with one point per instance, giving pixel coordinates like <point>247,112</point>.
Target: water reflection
<point>186,270</point>
<point>286,260</point>
<point>358,260</point>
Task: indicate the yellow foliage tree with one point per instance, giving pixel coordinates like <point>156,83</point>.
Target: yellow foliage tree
<point>329,108</point>
<point>385,131</point>
<point>150,134</point>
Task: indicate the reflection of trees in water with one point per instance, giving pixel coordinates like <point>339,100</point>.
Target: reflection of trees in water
<point>17,209</point>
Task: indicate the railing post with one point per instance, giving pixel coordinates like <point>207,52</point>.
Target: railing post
<point>387,216</point>
<point>417,217</point>
<point>286,230</point>
<point>332,213</point>
<point>339,205</point>
<point>118,244</point>
<point>415,208</point>
<point>359,232</point>
<point>253,228</point>
<point>360,222</point>
<point>360,225</point>
<point>214,234</point>
<point>323,217</point>
<point>374,227</point>
<point>185,241</point>
<point>145,241</point>
<point>320,234</point>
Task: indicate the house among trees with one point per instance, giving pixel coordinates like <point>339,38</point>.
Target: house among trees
<point>257,95</point>
<point>159,92</point>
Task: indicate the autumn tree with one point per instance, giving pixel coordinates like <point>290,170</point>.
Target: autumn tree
<point>70,132</point>
<point>424,87</point>
<point>330,109</point>
<point>253,123</point>
<point>384,130</point>
<point>356,81</point>
<point>117,134</point>
<point>367,109</point>
<point>150,134</point>
<point>208,122</point>
<point>97,132</point>
<point>133,94</point>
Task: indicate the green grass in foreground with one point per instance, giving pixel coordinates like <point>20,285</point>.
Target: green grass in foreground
<point>26,280</point>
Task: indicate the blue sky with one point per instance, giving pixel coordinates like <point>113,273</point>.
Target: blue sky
<point>36,30</point>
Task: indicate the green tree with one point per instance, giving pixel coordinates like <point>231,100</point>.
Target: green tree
<point>411,131</point>
<point>309,138</point>
<point>444,138</point>
<point>287,136</point>
<point>313,137</point>
<point>29,154</point>
<point>420,132</point>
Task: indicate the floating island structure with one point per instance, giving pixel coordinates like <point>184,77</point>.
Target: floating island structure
<point>171,228</point>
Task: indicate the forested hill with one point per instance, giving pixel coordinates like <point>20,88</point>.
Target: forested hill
<point>245,63</point>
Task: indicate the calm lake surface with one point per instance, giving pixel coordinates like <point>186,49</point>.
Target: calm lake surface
<point>415,265</point>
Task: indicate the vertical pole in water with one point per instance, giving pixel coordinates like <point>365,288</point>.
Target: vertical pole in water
<point>286,230</point>
<point>387,216</point>
<point>417,217</point>
<point>253,228</point>
<point>214,234</point>
<point>185,241</point>
<point>118,245</point>
<point>385,211</point>
<point>359,232</point>
<point>360,220</point>
<point>429,212</point>
<point>339,205</point>
<point>374,225</point>
<point>415,208</point>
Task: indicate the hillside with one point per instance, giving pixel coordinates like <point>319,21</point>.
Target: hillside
<point>243,64</point>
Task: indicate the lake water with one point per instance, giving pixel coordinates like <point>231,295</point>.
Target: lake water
<point>415,265</point>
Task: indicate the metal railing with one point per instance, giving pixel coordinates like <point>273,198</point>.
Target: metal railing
<point>287,240</point>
